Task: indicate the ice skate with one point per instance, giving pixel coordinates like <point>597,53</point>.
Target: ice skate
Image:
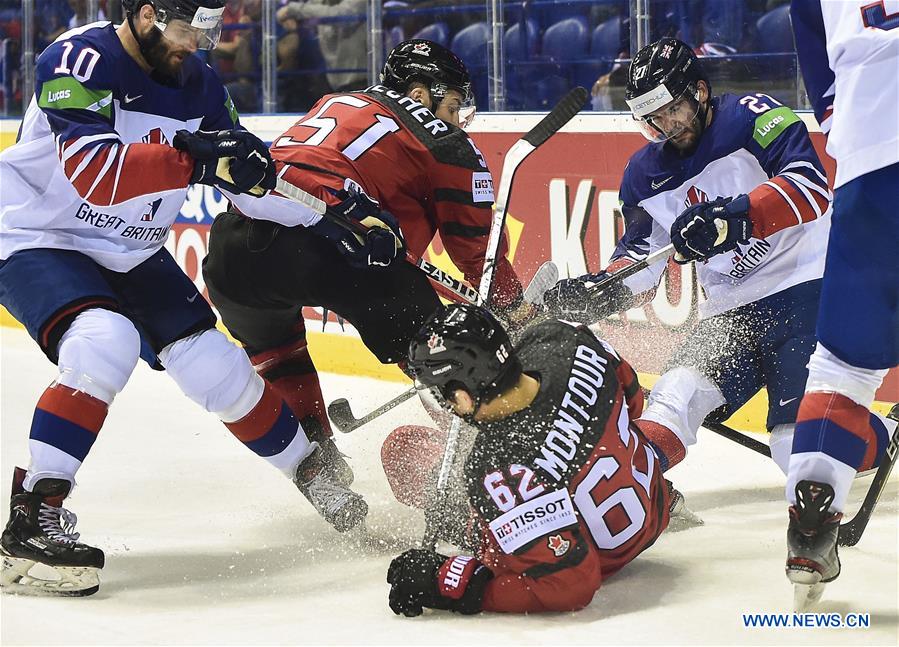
<point>41,532</point>
<point>333,459</point>
<point>680,516</point>
<point>340,506</point>
<point>812,558</point>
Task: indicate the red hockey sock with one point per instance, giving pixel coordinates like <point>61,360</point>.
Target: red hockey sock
<point>289,369</point>
<point>668,447</point>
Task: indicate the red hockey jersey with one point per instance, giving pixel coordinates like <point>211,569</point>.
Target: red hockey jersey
<point>427,173</point>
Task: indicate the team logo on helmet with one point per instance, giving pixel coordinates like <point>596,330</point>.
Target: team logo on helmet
<point>435,343</point>
<point>421,48</point>
<point>666,51</point>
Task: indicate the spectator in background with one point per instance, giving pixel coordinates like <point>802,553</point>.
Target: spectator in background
<point>52,19</point>
<point>344,44</point>
<point>79,9</point>
<point>231,39</point>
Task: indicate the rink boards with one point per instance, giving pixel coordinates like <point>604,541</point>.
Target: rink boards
<point>564,207</point>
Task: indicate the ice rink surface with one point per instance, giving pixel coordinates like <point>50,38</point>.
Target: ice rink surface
<point>207,544</point>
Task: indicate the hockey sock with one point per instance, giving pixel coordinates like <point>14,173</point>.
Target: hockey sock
<point>271,431</point>
<point>668,447</point>
<point>289,369</point>
<point>65,425</point>
<point>835,425</point>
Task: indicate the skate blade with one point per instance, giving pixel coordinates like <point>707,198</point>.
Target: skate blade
<point>806,595</point>
<point>72,581</point>
<point>684,522</point>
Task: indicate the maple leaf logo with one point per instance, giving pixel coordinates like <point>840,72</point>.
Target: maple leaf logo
<point>558,545</point>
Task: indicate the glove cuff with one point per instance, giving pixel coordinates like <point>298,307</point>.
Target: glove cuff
<point>462,580</point>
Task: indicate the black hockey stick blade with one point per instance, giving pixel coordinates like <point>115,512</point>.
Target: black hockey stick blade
<point>561,114</point>
<point>741,439</point>
<point>851,531</point>
<point>342,415</point>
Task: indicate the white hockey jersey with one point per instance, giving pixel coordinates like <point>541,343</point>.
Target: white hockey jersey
<point>92,169</point>
<point>863,52</point>
<point>755,146</point>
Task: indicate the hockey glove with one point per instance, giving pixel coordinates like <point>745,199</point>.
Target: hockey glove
<point>706,229</point>
<point>573,300</point>
<point>422,578</point>
<point>234,160</point>
<point>382,240</point>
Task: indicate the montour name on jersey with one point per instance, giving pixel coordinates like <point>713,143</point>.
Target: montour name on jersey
<point>421,114</point>
<point>584,383</point>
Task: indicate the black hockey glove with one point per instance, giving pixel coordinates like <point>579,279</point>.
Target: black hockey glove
<point>573,300</point>
<point>706,229</point>
<point>422,578</point>
<point>234,160</point>
<point>378,246</point>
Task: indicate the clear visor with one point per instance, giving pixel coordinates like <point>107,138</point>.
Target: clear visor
<point>201,32</point>
<point>672,119</point>
<point>467,107</point>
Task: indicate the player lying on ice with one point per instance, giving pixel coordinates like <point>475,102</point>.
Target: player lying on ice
<point>401,145</point>
<point>564,481</point>
<point>734,183</point>
<point>90,191</point>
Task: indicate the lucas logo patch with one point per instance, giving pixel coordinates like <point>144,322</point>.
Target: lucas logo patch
<point>558,545</point>
<point>530,521</point>
<point>482,188</point>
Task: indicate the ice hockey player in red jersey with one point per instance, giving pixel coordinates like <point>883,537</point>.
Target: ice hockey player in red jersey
<point>566,486</point>
<point>400,143</point>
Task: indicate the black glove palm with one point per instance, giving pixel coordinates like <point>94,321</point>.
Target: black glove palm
<point>380,243</point>
<point>233,160</point>
<point>577,300</point>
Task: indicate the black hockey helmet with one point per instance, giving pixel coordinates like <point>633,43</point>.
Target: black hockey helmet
<point>464,346</point>
<point>197,21</point>
<point>429,63</point>
<point>662,73</point>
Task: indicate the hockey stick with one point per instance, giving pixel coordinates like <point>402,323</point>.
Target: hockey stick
<point>342,415</point>
<point>560,115</point>
<point>741,439</point>
<point>851,531</point>
<point>448,286</point>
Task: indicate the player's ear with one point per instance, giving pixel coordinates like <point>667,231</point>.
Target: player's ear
<point>703,91</point>
<point>146,17</point>
<point>462,400</point>
<point>420,93</point>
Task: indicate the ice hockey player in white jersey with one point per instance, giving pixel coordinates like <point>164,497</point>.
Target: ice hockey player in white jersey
<point>123,120</point>
<point>849,53</point>
<point>733,182</point>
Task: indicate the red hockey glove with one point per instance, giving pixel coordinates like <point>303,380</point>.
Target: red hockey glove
<point>422,578</point>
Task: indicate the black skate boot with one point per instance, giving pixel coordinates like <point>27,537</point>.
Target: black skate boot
<point>339,505</point>
<point>812,558</point>
<point>334,461</point>
<point>40,531</point>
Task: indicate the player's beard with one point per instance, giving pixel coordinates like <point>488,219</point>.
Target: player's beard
<point>159,56</point>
